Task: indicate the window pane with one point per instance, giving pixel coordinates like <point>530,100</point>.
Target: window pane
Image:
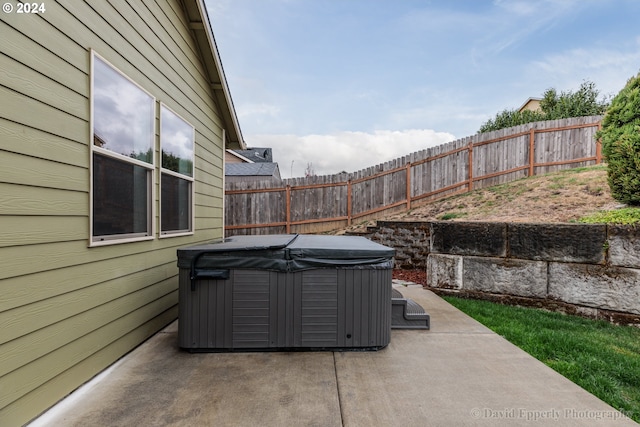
<point>176,204</point>
<point>122,114</point>
<point>176,138</point>
<point>120,197</point>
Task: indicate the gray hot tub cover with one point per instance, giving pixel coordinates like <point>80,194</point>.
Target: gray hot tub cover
<point>287,253</point>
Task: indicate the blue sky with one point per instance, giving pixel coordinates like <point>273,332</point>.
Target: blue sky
<point>347,84</point>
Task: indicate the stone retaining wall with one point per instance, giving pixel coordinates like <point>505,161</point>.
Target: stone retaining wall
<point>591,270</point>
<point>410,240</point>
<point>588,269</point>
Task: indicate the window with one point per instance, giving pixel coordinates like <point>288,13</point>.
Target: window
<point>176,183</point>
<point>123,128</point>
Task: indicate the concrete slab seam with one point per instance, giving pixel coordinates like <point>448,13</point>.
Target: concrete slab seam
<point>335,372</point>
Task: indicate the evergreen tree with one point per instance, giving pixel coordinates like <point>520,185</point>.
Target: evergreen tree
<point>620,136</point>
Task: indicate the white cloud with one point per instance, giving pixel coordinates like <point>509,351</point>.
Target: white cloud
<point>608,69</point>
<point>261,109</point>
<point>344,151</point>
<point>517,20</point>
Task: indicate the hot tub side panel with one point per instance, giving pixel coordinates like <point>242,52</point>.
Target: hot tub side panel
<point>205,315</point>
<point>364,308</point>
<point>257,309</point>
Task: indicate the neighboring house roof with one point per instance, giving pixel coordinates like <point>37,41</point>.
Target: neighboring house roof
<point>532,104</point>
<point>200,25</point>
<point>252,169</point>
<point>256,154</point>
<point>236,155</point>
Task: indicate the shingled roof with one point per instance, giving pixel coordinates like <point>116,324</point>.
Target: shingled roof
<point>252,169</point>
<point>256,154</point>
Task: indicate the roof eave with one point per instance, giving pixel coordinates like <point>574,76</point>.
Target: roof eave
<point>239,156</point>
<point>200,26</point>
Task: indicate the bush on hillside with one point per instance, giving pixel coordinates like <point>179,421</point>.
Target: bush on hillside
<point>620,137</point>
<point>509,118</point>
<point>583,102</point>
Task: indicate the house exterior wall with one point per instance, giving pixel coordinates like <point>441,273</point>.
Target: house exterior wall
<point>230,158</point>
<point>67,310</point>
<point>532,104</point>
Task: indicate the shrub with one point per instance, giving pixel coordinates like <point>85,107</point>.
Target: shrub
<point>583,102</point>
<point>617,216</point>
<point>509,118</point>
<point>620,136</point>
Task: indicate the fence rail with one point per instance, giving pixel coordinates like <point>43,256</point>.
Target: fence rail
<point>321,203</point>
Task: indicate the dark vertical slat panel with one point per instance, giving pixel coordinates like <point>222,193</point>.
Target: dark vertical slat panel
<point>366,309</point>
<point>319,308</point>
<point>185,312</point>
<point>357,308</point>
<point>349,300</point>
<point>297,309</point>
<point>202,311</point>
<point>342,309</point>
<point>289,316</point>
<point>216,313</point>
<point>376,315</point>
<point>251,309</point>
<point>276,310</point>
<point>226,309</point>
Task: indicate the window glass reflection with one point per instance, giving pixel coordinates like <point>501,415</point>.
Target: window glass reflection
<point>176,138</point>
<point>122,114</point>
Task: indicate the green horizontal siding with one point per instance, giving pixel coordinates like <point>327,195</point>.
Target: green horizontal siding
<point>39,144</point>
<point>28,200</point>
<point>39,399</point>
<point>70,310</point>
<point>30,112</point>
<point>18,261</point>
<point>30,230</point>
<point>32,347</point>
<point>41,173</point>
<point>39,86</point>
<point>31,288</point>
<point>22,380</point>
<point>30,41</point>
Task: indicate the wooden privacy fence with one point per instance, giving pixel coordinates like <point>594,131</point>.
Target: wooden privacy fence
<point>321,203</point>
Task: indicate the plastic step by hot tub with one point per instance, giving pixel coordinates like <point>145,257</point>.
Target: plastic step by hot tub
<point>406,313</point>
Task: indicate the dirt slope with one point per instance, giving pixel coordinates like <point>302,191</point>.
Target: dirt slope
<point>558,197</point>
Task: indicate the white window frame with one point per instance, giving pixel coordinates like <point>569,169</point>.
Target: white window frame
<point>191,179</point>
<point>151,187</point>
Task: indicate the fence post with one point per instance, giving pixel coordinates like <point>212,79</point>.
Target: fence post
<point>470,186</point>
<point>288,207</point>
<point>408,185</point>
<point>532,139</point>
<point>349,202</point>
<point>599,146</point>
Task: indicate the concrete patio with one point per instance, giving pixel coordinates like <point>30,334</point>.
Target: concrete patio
<point>457,374</point>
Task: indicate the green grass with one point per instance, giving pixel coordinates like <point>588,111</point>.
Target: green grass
<point>602,358</point>
<point>451,215</point>
<point>585,168</point>
<point>617,216</point>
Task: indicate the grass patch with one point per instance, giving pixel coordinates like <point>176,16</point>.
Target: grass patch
<point>451,215</point>
<point>602,358</point>
<point>600,167</point>
<point>617,216</point>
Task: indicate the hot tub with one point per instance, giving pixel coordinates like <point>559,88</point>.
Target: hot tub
<point>285,292</point>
